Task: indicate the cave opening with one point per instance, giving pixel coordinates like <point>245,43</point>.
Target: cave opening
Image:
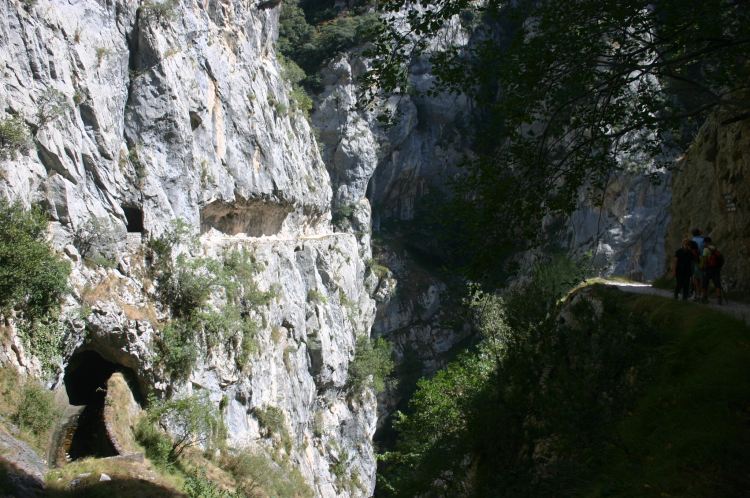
<point>134,218</point>
<point>86,385</point>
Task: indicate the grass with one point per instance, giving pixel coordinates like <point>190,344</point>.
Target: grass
<point>129,478</point>
<point>29,406</point>
<point>688,433</point>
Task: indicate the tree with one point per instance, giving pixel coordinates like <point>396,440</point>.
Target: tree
<point>569,93</point>
<point>192,420</point>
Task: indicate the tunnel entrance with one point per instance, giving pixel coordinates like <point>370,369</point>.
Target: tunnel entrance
<point>86,385</point>
<point>134,217</point>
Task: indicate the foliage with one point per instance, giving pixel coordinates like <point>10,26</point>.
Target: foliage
<point>95,236</point>
<point>197,485</point>
<point>29,405</point>
<point>14,136</point>
<point>192,420</point>
<point>45,339</point>
<point>311,33</point>
<point>371,365</point>
<point>176,348</point>
<point>272,423</point>
<point>568,93</point>
<point>294,74</point>
<point>156,442</point>
<point>185,286</point>
<point>258,475</point>
<point>342,215</point>
<point>36,410</point>
<point>380,271</point>
<point>32,277</point>
<point>545,407</point>
<point>51,105</point>
<point>32,281</point>
<point>315,296</point>
<point>160,11</point>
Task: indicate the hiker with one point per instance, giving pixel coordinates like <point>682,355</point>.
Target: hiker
<point>696,246</point>
<point>684,258</point>
<point>711,262</point>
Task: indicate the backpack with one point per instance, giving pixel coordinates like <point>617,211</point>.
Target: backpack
<point>715,259</point>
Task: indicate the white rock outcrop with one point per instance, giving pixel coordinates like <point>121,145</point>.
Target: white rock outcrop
<point>142,113</point>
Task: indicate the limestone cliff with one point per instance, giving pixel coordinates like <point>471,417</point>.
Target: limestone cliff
<point>711,192</point>
<point>142,113</point>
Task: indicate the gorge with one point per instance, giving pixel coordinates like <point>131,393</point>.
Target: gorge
<point>254,273</point>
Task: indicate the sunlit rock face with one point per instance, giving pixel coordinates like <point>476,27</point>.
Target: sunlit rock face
<point>144,113</point>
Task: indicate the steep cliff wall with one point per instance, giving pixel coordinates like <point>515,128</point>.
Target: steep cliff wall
<point>141,113</point>
<point>711,190</point>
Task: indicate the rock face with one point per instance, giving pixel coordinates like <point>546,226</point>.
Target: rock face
<point>394,168</point>
<point>711,191</point>
<point>142,113</point>
<point>626,234</point>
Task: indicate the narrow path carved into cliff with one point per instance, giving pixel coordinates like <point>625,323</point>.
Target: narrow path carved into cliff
<point>733,308</point>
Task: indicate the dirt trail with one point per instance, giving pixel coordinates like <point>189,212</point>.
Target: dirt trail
<point>736,309</point>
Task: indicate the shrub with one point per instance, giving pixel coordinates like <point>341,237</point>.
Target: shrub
<point>160,10</point>
<point>14,136</point>
<point>192,420</point>
<point>32,277</point>
<point>272,423</point>
<point>52,104</point>
<point>36,412</point>
<point>258,475</point>
<point>197,485</point>
<point>45,339</point>
<point>310,45</point>
<point>187,287</point>
<point>371,365</point>
<point>95,237</point>
<point>315,296</point>
<point>156,442</point>
<point>176,348</point>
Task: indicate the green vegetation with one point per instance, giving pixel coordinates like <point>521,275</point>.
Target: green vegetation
<point>612,402</point>
<point>14,136</point>
<point>185,287</point>
<point>32,281</point>
<point>52,104</point>
<point>312,32</point>
<point>197,485</point>
<point>32,277</point>
<point>160,11</point>
<point>94,239</point>
<point>272,424</point>
<point>371,366</point>
<point>588,90</point>
<point>255,473</point>
<point>29,406</point>
<point>192,420</point>
<point>315,296</point>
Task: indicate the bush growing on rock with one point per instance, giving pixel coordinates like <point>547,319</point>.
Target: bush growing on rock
<point>14,136</point>
<point>191,420</point>
<point>32,276</point>
<point>371,365</point>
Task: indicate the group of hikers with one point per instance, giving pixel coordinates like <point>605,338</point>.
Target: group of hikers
<point>697,264</point>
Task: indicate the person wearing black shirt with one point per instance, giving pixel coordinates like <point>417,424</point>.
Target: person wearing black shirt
<point>683,269</point>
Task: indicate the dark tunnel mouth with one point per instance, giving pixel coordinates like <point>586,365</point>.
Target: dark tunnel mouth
<point>134,218</point>
<point>85,382</point>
